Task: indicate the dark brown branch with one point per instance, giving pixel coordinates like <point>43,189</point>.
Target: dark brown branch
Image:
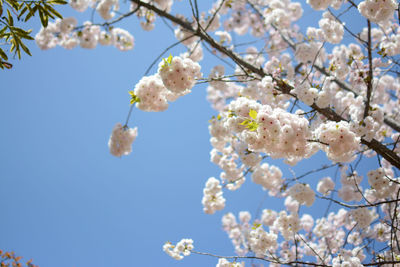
<point>370,76</point>
<point>392,123</point>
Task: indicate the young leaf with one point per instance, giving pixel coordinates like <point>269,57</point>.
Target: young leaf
<point>252,126</point>
<point>253,114</point>
<point>169,60</point>
<point>245,122</point>
<point>134,98</point>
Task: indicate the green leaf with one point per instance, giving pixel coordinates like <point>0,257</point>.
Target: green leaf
<point>382,52</point>
<point>253,114</point>
<point>10,18</point>
<point>22,12</point>
<point>57,2</point>
<point>252,126</point>
<point>43,18</point>
<point>13,46</point>
<point>26,50</point>
<point>31,13</point>
<point>22,33</point>
<point>350,61</point>
<point>14,4</point>
<point>2,31</point>
<point>52,10</point>
<point>3,55</point>
<point>367,79</point>
<point>169,59</point>
<point>231,114</point>
<point>134,98</point>
<point>245,122</point>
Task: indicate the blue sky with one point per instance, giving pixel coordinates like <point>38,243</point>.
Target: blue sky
<point>66,201</point>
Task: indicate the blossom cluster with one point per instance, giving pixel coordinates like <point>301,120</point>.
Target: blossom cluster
<point>181,249</point>
<point>303,194</point>
<point>61,33</point>
<point>121,140</point>
<point>212,196</point>
<point>225,263</point>
<point>260,241</point>
<point>269,177</point>
<point>382,184</point>
<point>378,11</point>
<point>339,142</point>
<point>175,77</point>
<point>179,75</point>
<point>351,186</point>
<point>278,133</point>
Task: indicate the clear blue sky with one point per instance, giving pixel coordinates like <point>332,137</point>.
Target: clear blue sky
<point>66,202</point>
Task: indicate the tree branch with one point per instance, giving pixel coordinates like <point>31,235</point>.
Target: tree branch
<point>370,76</point>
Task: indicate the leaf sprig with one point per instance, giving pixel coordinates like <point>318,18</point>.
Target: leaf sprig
<point>251,124</point>
<point>167,61</point>
<point>134,98</point>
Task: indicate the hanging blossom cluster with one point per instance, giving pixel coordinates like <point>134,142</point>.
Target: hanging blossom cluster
<point>121,140</point>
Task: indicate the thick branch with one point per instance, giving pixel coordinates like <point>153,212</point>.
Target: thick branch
<point>392,123</point>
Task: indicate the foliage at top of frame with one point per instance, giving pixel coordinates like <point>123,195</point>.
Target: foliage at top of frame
<point>12,36</point>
